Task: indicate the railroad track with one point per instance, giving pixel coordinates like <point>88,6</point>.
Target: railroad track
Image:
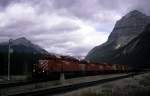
<point>22,83</point>
<point>67,88</point>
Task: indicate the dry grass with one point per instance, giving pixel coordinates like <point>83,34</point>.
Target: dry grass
<point>143,89</point>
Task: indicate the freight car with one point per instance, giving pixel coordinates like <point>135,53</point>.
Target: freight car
<point>52,66</point>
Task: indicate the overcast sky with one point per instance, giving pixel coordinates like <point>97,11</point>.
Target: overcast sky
<point>69,27</point>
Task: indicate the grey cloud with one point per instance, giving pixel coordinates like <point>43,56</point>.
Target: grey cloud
<point>4,3</point>
<point>142,5</point>
<point>64,27</point>
<point>64,3</point>
<point>65,36</point>
<point>86,9</point>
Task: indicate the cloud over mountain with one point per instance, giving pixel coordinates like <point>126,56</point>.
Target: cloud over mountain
<point>69,27</point>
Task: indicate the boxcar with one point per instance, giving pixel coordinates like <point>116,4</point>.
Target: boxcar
<point>108,68</point>
<point>70,66</point>
<point>101,67</point>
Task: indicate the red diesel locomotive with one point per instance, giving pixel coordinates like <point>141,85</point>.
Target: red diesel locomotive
<point>55,64</point>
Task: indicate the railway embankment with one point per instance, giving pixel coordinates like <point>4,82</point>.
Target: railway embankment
<point>53,84</point>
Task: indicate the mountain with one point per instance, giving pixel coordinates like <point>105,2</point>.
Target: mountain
<point>25,55</point>
<point>136,53</point>
<point>22,45</point>
<point>126,29</point>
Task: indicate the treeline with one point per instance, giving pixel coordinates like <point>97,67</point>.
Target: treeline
<point>20,63</point>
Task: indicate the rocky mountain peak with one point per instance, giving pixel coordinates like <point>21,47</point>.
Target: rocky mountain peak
<point>23,45</point>
<point>134,13</point>
<point>22,41</point>
<point>126,29</point>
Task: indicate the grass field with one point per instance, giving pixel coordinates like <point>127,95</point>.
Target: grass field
<point>141,88</point>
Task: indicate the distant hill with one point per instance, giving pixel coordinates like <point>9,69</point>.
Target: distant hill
<point>22,45</point>
<point>129,27</point>
<point>24,55</point>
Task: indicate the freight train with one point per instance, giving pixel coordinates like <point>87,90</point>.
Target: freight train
<point>51,66</point>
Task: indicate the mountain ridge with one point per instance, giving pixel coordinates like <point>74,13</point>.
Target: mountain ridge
<point>22,45</point>
<point>126,29</point>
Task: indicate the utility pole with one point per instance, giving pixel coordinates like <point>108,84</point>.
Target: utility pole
<point>9,53</point>
<point>62,75</point>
